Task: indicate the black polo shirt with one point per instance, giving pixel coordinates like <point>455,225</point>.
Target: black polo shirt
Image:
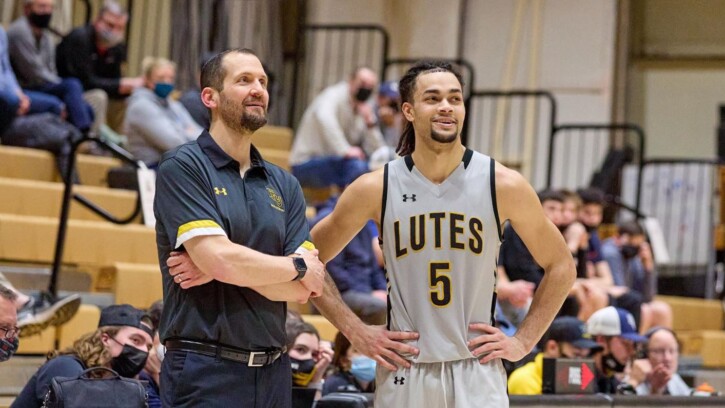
<point>199,191</point>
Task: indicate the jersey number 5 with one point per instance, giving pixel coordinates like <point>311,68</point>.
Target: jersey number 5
<point>440,283</point>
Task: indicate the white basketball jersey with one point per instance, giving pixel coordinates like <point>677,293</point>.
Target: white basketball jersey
<point>440,243</point>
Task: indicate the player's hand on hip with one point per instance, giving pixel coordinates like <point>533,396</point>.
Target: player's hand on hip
<point>314,279</point>
<point>184,271</point>
<point>384,346</point>
<point>493,343</point>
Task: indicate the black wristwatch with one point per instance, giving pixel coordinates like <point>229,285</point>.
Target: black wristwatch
<point>301,268</point>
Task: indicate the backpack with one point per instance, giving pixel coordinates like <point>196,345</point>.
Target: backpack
<point>84,391</point>
<point>345,400</point>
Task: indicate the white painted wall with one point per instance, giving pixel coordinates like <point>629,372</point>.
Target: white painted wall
<point>680,111</point>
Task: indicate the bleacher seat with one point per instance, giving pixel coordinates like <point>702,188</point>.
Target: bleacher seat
<point>324,327</point>
<point>43,199</point>
<point>130,277</point>
<point>33,164</point>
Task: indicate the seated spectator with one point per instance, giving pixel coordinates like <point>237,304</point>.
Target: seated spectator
<point>337,133</point>
<point>357,272</point>
<point>8,324</point>
<point>354,372</point>
<point>574,232</point>
<point>31,119</point>
<point>633,270</point>
<point>121,343</point>
<point>191,99</point>
<point>518,274</point>
<point>309,357</point>
<point>94,54</point>
<point>152,370</point>
<point>154,122</point>
<point>566,338</point>
<point>590,215</point>
<point>388,113</point>
<point>630,259</point>
<point>616,331</point>
<point>657,374</point>
<point>14,102</point>
<point>32,55</point>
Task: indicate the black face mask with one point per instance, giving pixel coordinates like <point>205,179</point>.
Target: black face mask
<point>302,371</point>
<point>39,20</point>
<point>630,251</point>
<point>611,365</point>
<point>363,94</point>
<point>130,362</point>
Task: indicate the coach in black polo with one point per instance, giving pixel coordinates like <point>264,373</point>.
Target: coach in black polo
<point>238,218</point>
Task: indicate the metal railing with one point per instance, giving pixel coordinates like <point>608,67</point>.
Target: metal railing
<point>682,195</point>
<point>513,127</point>
<point>68,194</point>
<point>584,150</point>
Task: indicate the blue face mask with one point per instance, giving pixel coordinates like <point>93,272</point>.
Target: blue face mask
<point>163,89</point>
<point>363,368</point>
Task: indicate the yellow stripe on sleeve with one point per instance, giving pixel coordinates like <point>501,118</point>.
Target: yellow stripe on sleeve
<point>194,225</point>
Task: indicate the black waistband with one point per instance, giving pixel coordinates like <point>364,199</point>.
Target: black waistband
<point>251,358</point>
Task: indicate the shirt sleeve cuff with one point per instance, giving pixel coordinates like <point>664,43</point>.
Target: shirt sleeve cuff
<point>197,229</point>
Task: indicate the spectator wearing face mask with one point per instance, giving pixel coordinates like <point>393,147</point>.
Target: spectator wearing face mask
<point>121,342</point>
<point>354,372</point>
<point>8,324</point>
<point>94,54</point>
<point>309,356</point>
<point>616,332</point>
<point>32,55</point>
<point>337,133</point>
<point>154,122</point>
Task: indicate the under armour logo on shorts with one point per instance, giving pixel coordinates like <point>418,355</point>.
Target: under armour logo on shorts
<point>407,197</point>
<point>399,380</point>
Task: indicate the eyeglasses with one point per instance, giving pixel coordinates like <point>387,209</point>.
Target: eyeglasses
<point>662,351</point>
<point>10,332</point>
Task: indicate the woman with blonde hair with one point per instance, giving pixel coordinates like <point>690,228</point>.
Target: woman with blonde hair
<point>121,343</point>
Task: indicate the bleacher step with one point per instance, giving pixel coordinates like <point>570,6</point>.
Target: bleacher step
<point>16,372</point>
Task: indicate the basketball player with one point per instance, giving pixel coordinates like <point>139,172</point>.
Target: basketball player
<point>440,208</point>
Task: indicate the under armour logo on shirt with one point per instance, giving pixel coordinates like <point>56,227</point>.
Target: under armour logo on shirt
<point>407,197</point>
<point>399,380</point>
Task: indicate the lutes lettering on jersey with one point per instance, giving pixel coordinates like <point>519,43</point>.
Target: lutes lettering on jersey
<point>460,233</point>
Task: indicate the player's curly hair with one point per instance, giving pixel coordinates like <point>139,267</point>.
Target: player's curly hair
<point>89,348</point>
<point>407,85</point>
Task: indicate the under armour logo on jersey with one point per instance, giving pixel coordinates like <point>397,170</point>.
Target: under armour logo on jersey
<point>220,191</point>
<point>407,197</point>
<point>399,380</point>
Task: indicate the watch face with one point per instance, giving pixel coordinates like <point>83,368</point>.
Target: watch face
<point>300,264</point>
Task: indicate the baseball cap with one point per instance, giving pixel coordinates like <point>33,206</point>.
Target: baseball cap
<point>125,315</point>
<point>571,330</point>
<point>389,89</point>
<point>613,321</point>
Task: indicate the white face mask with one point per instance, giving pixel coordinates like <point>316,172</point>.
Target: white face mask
<point>160,352</point>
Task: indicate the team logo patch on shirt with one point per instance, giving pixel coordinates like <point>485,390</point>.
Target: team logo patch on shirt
<point>220,191</point>
<point>277,202</point>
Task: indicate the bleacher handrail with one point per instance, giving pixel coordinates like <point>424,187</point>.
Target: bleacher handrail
<point>629,127</point>
<point>119,153</point>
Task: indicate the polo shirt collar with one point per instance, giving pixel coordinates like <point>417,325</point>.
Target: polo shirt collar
<point>220,158</point>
